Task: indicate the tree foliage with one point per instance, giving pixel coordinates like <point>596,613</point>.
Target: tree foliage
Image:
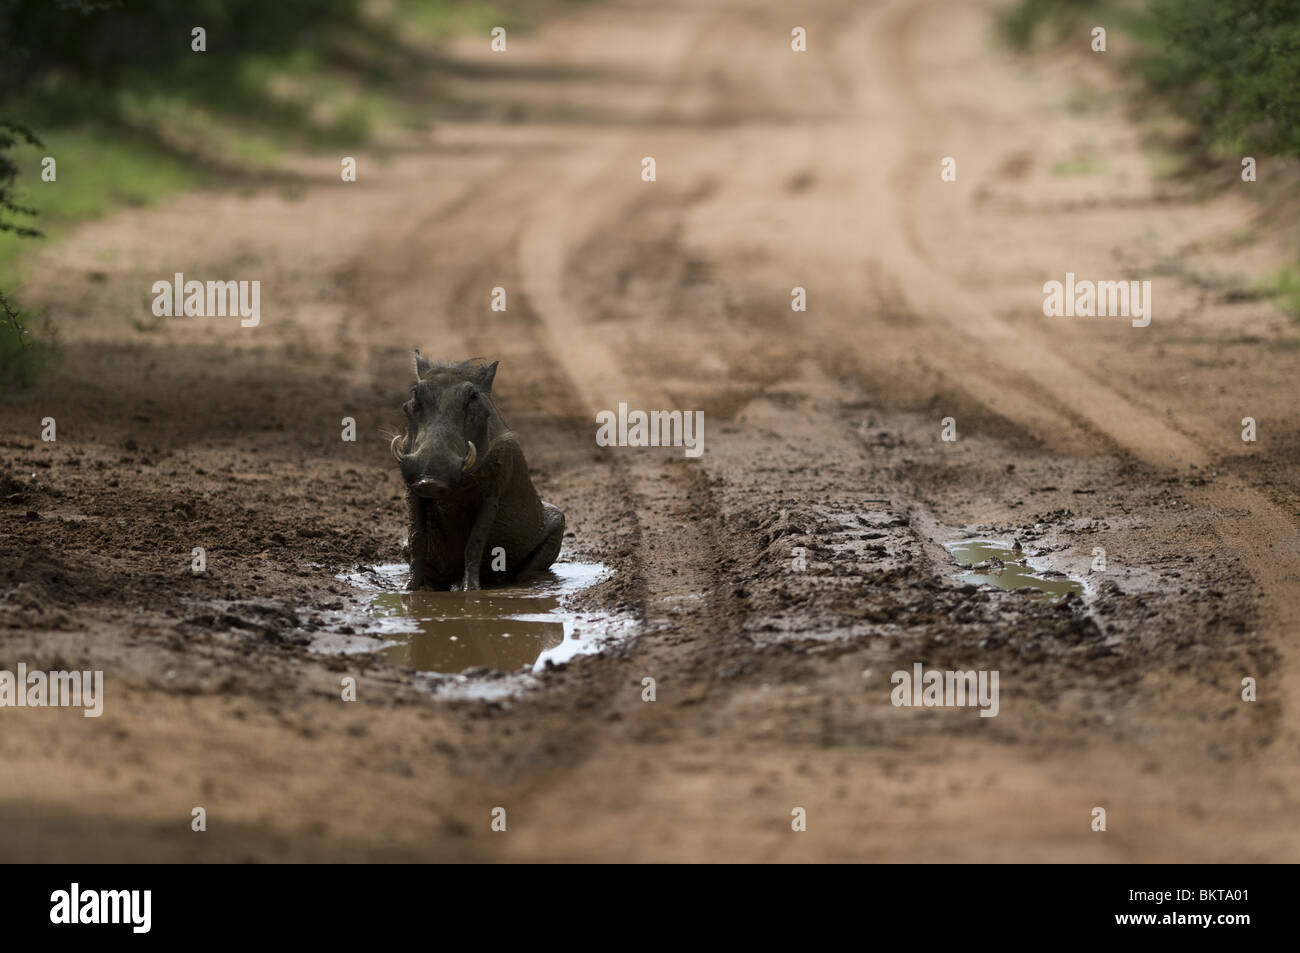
<point>1233,66</point>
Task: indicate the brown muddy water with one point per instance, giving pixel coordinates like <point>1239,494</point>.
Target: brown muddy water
<point>990,563</point>
<point>516,628</point>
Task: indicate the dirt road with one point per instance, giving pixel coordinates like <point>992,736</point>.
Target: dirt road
<point>774,170</point>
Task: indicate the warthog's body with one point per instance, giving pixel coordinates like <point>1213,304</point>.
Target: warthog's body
<point>473,510</point>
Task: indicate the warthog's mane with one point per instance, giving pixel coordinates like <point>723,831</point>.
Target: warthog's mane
<point>466,368</point>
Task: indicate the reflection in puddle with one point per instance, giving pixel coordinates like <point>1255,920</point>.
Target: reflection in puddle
<point>502,629</point>
<point>992,564</point>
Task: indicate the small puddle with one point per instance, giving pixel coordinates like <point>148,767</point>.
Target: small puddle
<point>991,563</point>
<point>503,629</point>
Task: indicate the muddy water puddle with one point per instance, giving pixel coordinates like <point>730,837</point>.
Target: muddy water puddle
<point>990,563</point>
<point>501,630</point>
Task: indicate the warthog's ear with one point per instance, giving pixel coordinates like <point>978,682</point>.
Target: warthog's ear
<point>485,375</point>
<point>422,366</point>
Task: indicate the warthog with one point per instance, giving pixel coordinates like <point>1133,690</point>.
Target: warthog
<point>473,509</point>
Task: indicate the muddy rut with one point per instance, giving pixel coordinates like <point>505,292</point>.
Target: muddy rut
<point>823,446</point>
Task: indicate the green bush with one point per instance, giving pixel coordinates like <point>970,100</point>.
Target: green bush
<point>22,354</point>
<point>10,135</point>
<point>1233,66</point>
<point>1021,23</point>
<point>101,40</point>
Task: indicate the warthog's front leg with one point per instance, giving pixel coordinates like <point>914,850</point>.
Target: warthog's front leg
<point>417,537</point>
<point>474,547</point>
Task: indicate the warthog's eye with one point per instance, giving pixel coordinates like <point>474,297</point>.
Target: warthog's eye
<point>471,396</point>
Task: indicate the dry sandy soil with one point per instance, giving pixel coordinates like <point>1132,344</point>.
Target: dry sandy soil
<point>775,169</point>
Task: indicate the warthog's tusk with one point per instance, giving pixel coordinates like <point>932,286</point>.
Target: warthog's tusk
<point>392,446</point>
<point>470,457</point>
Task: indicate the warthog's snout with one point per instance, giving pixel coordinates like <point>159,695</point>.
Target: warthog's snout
<point>426,474</point>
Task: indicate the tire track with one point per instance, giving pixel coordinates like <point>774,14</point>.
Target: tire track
<point>1263,534</point>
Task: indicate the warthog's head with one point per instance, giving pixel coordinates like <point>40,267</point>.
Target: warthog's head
<point>450,425</point>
